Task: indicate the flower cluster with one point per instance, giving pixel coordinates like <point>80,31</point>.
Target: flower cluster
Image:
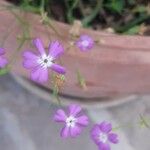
<point>74,122</point>
<point>39,63</point>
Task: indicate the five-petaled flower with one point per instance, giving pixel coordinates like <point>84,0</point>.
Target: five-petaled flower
<point>102,135</point>
<point>3,60</point>
<point>73,121</point>
<point>39,63</point>
<point>85,42</point>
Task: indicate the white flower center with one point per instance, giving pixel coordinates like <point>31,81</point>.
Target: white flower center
<point>103,137</point>
<point>71,121</point>
<point>45,61</point>
<point>85,43</point>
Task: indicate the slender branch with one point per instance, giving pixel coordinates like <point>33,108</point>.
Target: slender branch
<point>89,18</point>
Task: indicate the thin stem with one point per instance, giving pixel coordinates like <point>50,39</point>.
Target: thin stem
<point>141,122</point>
<point>126,27</point>
<point>89,18</point>
<point>81,80</point>
<point>55,89</point>
<point>70,9</point>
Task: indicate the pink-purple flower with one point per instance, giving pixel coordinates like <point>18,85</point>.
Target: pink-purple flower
<point>39,63</point>
<point>102,135</point>
<point>85,43</point>
<point>3,60</point>
<point>73,121</point>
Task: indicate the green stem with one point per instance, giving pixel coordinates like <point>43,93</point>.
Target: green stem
<point>70,9</point>
<point>142,122</point>
<point>89,18</point>
<point>133,23</point>
<point>81,79</point>
<point>55,90</point>
<point>47,21</point>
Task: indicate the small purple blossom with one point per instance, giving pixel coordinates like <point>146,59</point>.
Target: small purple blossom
<point>40,63</point>
<point>85,43</point>
<point>102,135</point>
<point>3,60</point>
<point>74,122</point>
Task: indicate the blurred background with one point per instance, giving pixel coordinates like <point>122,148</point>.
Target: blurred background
<point>122,16</point>
<point>26,119</point>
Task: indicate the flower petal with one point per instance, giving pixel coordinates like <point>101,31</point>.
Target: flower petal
<point>30,60</point>
<point>65,132</point>
<point>30,55</point>
<point>75,131</point>
<point>39,45</point>
<point>60,116</point>
<point>83,120</point>
<point>59,69</point>
<point>29,64</point>
<point>39,74</point>
<point>55,49</point>
<point>85,43</point>
<point>2,51</point>
<point>105,127</point>
<point>113,138</point>
<point>3,62</point>
<point>74,109</point>
<point>95,131</point>
<point>104,146</point>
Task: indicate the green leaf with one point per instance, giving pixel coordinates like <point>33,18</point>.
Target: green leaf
<point>96,10</point>
<point>140,9</point>
<point>4,71</point>
<point>144,122</point>
<point>63,77</point>
<point>116,5</point>
<point>132,23</point>
<point>133,30</point>
<point>132,2</point>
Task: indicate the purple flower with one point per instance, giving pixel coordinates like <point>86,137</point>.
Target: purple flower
<point>40,63</point>
<point>102,135</point>
<point>73,121</point>
<point>3,60</point>
<point>85,43</point>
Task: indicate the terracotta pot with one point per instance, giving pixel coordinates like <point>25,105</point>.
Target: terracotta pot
<point>118,66</point>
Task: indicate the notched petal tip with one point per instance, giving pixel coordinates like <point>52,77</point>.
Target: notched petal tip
<point>113,138</point>
<point>74,109</point>
<point>65,132</point>
<point>60,116</point>
<point>105,126</point>
<point>83,120</point>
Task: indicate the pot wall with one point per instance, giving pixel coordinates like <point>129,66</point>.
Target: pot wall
<point>120,65</point>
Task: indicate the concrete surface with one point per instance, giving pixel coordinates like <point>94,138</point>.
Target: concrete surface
<point>26,124</point>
